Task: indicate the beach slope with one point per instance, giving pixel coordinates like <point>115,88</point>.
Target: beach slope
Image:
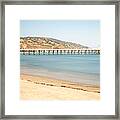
<point>43,88</point>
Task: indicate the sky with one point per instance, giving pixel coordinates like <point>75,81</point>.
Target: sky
<point>84,32</point>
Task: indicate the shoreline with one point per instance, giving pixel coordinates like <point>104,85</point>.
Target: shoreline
<point>45,88</point>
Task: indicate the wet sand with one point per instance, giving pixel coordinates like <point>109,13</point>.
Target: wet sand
<point>44,88</point>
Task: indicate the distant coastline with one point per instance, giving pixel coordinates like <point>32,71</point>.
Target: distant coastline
<point>47,43</point>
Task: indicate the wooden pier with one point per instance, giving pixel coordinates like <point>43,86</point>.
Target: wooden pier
<point>59,51</point>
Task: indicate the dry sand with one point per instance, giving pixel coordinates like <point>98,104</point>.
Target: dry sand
<point>43,88</point>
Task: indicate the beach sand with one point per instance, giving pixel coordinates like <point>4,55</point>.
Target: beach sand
<point>44,88</point>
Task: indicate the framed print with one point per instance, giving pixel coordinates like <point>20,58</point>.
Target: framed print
<point>60,60</point>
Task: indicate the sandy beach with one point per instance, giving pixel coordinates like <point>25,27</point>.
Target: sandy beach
<point>44,88</point>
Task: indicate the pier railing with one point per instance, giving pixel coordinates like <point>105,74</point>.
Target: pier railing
<point>60,51</point>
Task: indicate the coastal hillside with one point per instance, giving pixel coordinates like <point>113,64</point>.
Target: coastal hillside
<point>47,43</point>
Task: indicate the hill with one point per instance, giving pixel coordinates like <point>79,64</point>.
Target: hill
<point>47,43</point>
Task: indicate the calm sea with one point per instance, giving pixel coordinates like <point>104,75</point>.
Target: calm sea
<point>76,68</point>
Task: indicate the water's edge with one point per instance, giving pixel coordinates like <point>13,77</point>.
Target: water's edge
<point>75,68</point>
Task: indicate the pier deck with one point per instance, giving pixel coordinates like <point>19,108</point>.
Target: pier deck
<point>60,51</point>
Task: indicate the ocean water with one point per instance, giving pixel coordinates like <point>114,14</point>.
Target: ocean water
<point>75,68</point>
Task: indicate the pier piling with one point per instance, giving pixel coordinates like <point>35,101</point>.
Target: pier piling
<point>60,51</point>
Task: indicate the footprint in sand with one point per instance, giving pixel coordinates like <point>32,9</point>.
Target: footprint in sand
<point>42,83</point>
<point>49,84</point>
<point>29,80</point>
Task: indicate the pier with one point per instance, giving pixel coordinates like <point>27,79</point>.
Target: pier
<point>60,51</point>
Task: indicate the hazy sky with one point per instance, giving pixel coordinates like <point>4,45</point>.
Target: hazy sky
<point>85,32</point>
